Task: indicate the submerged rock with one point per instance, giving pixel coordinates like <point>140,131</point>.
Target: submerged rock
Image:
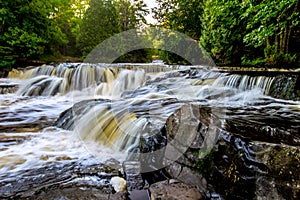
<point>67,118</point>
<point>132,170</point>
<point>286,87</point>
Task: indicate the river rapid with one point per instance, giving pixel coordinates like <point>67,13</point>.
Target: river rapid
<point>79,114</point>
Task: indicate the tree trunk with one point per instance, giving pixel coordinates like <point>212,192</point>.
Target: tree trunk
<point>288,41</point>
<point>281,40</point>
<point>268,52</point>
<point>276,43</point>
<point>284,41</point>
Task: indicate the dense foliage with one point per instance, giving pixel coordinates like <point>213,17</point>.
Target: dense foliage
<point>180,15</point>
<point>99,22</point>
<point>37,29</point>
<point>47,29</point>
<point>104,19</point>
<point>238,32</point>
<point>270,28</point>
<point>222,30</point>
<point>233,32</point>
<point>26,29</point>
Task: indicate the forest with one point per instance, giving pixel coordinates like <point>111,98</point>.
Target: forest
<point>233,32</point>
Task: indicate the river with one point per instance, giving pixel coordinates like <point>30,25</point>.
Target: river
<point>79,114</point>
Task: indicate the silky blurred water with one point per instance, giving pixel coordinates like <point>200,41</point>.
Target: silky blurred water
<point>29,139</point>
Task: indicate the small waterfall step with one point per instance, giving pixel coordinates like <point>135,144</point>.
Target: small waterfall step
<point>8,87</point>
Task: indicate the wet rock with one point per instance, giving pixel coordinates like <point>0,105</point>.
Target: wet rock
<point>67,118</point>
<point>6,89</point>
<point>24,114</point>
<point>78,194</point>
<point>3,74</point>
<point>166,190</point>
<point>60,181</point>
<point>272,129</point>
<point>182,129</point>
<point>232,153</point>
<point>152,148</point>
<point>132,170</point>
<point>283,162</point>
<point>285,87</point>
<point>139,195</point>
<point>188,176</point>
<point>229,162</point>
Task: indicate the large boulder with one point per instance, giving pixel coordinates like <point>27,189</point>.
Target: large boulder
<point>225,159</point>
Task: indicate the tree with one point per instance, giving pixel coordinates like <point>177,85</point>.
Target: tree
<point>131,14</point>
<point>222,30</point>
<point>270,24</point>
<point>99,23</point>
<point>104,19</point>
<point>180,15</point>
<point>28,29</point>
<point>20,36</point>
<point>61,19</point>
<point>234,32</point>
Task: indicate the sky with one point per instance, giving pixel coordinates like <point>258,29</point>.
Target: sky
<point>150,4</point>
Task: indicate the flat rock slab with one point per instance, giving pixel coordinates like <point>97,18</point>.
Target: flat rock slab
<point>78,194</point>
<point>173,190</point>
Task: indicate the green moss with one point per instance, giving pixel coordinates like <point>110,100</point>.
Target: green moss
<point>204,165</point>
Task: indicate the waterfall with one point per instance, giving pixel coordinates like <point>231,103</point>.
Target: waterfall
<point>126,80</point>
<point>275,85</point>
<point>113,128</point>
<point>118,124</point>
<point>246,82</point>
<point>50,80</point>
<point>8,87</point>
<point>110,81</point>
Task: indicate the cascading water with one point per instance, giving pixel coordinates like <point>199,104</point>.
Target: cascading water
<point>74,112</point>
<point>245,82</point>
<point>108,81</point>
<point>268,85</point>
